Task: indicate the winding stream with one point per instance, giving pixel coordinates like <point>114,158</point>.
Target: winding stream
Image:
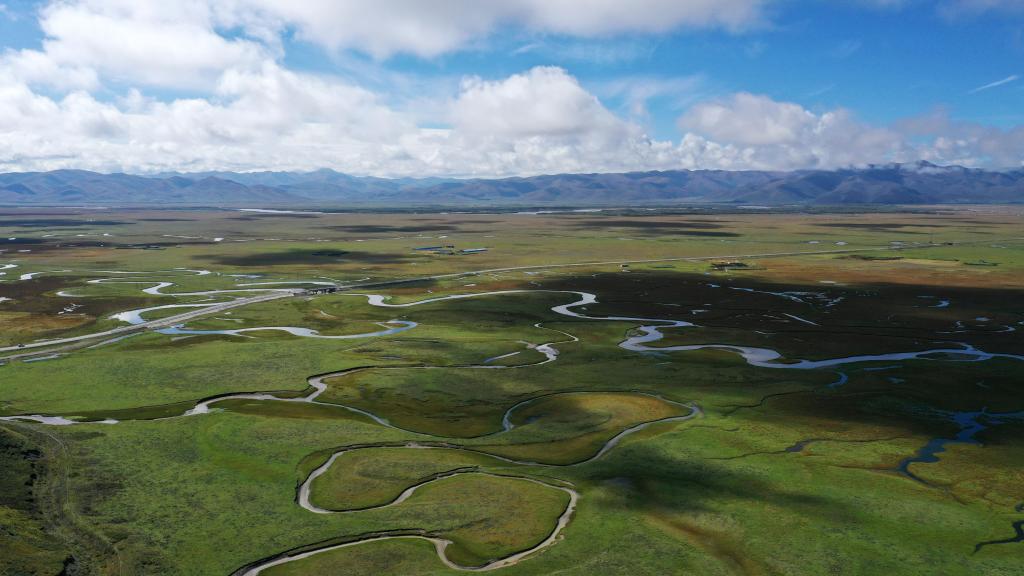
<point>650,331</point>
<point>647,331</point>
<point>970,423</point>
<point>397,326</point>
<point>305,490</point>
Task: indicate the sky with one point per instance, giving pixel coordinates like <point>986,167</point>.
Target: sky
<point>476,88</point>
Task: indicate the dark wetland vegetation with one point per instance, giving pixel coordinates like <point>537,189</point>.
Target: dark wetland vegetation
<point>656,392</point>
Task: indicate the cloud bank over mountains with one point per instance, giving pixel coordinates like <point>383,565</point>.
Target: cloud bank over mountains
<point>148,86</point>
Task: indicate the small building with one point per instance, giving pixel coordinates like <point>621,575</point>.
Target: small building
<point>472,250</point>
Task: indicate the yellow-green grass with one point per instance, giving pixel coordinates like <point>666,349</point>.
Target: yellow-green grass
<point>407,556</point>
<point>443,402</point>
<point>153,369</point>
<point>524,240</point>
<point>30,544</point>
<point>468,402</point>
<point>236,471</point>
<point>569,428</point>
<point>486,517</point>
<point>368,477</point>
<point>666,491</point>
<point>718,495</point>
<point>22,327</point>
<point>248,466</point>
<point>827,506</point>
<point>989,472</point>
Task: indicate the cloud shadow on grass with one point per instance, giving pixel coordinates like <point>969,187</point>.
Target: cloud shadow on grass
<point>304,257</point>
<point>659,227</point>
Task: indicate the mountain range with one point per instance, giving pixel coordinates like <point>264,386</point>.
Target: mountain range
<point>917,183</point>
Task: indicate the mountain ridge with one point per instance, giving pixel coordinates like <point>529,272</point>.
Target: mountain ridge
<point>916,183</point>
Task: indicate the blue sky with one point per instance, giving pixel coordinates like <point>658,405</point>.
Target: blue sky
<point>455,87</point>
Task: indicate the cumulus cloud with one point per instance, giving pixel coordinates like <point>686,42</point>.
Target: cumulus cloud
<point>759,132</point>
<point>432,28</point>
<point>189,44</point>
<point>35,67</point>
<point>755,131</point>
<point>172,44</point>
<point>747,119</point>
<point>92,97</point>
<point>544,102</point>
<point>539,121</point>
<point>598,17</point>
<point>182,36</point>
<point>947,141</point>
<point>268,117</point>
<point>535,122</point>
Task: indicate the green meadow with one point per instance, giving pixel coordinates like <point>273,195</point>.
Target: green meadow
<point>460,442</point>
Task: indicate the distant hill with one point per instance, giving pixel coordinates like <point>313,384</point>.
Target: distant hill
<point>918,183</point>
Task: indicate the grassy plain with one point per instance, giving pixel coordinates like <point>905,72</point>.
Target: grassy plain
<point>375,476</point>
<point>786,471</point>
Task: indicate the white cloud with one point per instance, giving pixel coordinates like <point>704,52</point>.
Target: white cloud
<point>540,121</point>
<point>188,44</point>
<point>601,52</point>
<point>432,28</point>
<point>268,117</point>
<point>638,91</point>
<point>764,133</point>
<point>35,67</point>
<point>544,102</point>
<point>747,119</point>
<point>947,141</point>
<point>119,36</point>
<point>85,99</point>
<point>170,44</point>
<point>600,17</point>
<point>996,84</point>
<point>753,131</point>
<point>271,118</point>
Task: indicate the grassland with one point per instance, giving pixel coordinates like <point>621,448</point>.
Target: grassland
<point>781,471</point>
<point>33,550</point>
<point>375,476</point>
